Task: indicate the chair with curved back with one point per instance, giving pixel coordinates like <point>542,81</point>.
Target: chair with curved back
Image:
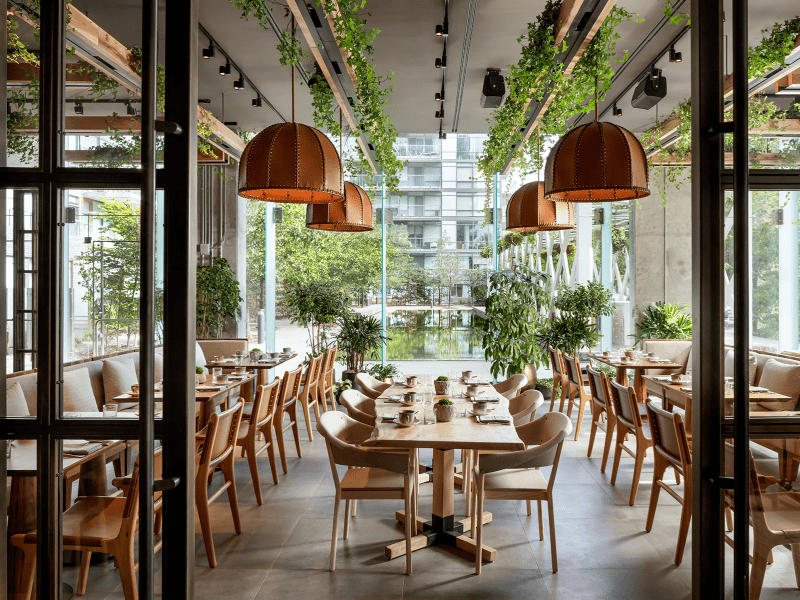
<point>559,377</point>
<point>260,424</point>
<point>327,379</point>
<point>516,475</point>
<point>578,394</point>
<point>629,415</point>
<point>102,524</point>
<point>382,475</point>
<point>511,386</point>
<point>216,444</point>
<point>308,396</point>
<point>287,405</point>
<point>370,386</point>
<point>601,405</point>
<point>670,449</point>
<point>359,406</point>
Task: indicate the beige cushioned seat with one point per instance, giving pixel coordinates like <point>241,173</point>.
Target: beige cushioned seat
<point>16,406</point>
<point>783,378</point>
<point>675,350</point>
<point>118,377</point>
<point>729,366</point>
<point>78,394</point>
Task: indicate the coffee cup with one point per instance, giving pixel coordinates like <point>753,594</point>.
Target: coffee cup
<point>651,354</point>
<point>287,350</point>
<point>240,370</point>
<point>274,354</point>
<point>606,353</point>
<point>412,380</point>
<point>135,388</point>
<point>624,359</point>
<point>409,398</point>
<point>480,407</point>
<point>406,416</point>
<point>221,379</point>
<point>217,359</point>
<point>472,389</point>
<point>466,374</point>
<point>676,377</point>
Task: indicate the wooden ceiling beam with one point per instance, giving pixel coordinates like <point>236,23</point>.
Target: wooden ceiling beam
<point>216,156</point>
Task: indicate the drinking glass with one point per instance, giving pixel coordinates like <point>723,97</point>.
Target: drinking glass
<point>216,372</point>
<point>109,410</point>
<point>427,401</point>
<point>453,377</point>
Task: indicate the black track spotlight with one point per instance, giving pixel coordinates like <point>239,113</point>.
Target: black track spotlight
<point>439,114</point>
<point>225,69</point>
<point>655,73</point>
<point>675,56</point>
<point>130,110</point>
<point>78,108</point>
<point>442,134</point>
<point>441,63</point>
<point>441,30</point>
<point>617,111</point>
<point>209,52</point>
<point>238,84</point>
<point>257,102</point>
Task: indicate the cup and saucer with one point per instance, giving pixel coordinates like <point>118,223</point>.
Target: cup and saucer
<point>406,418</point>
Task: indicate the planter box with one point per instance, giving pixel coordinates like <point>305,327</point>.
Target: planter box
<point>442,388</point>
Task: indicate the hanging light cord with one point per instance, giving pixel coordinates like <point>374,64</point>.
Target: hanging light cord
<point>293,42</point>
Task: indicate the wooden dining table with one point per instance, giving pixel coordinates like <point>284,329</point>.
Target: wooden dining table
<point>638,365</point>
<point>21,468</point>
<point>260,366</point>
<point>444,439</point>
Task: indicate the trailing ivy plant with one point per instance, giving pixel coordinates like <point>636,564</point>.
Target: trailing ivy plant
<point>771,52</point>
<point>514,306</point>
<point>218,298</point>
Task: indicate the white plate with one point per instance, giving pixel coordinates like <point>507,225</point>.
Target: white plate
<point>477,415</point>
<point>397,422</point>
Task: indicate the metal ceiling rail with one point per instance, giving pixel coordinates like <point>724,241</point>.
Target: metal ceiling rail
<point>321,39</point>
<point>236,67</point>
<point>462,74</point>
<point>583,20</point>
<point>443,69</point>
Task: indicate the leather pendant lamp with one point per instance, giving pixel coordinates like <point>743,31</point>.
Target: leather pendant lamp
<point>291,162</point>
<point>597,162</point>
<point>529,210</point>
<point>354,213</point>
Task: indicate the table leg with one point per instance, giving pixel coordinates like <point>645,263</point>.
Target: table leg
<point>442,528</point>
<point>93,480</point>
<point>622,375</point>
<point>639,386</point>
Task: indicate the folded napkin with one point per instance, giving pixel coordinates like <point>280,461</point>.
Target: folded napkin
<point>489,400</point>
<point>208,388</point>
<point>80,447</point>
<point>487,419</point>
<point>659,360</point>
<point>686,389</point>
<point>267,360</point>
<point>662,378</point>
<point>388,416</point>
<point>756,390</point>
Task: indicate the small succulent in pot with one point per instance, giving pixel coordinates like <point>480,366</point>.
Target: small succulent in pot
<point>255,354</point>
<point>442,385</point>
<point>445,410</point>
<point>200,376</point>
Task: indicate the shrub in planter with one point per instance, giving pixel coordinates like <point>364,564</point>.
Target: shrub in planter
<point>445,410</point>
<point>442,385</point>
<point>545,386</point>
<point>199,377</point>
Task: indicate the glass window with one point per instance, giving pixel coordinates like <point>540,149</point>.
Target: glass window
<point>464,176</point>
<point>422,175</point>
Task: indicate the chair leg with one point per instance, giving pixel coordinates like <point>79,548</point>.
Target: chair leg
<point>528,506</point>
<point>296,431</point>
<point>307,414</point>
<point>479,524</point>
<point>607,445</point>
<point>227,471</point>
<point>346,518</point>
<point>617,455</point>
<point>553,396</point>
<point>570,402</point>
<point>552,534</point>
<point>28,571</point>
<point>249,448</point>
<point>271,453</point>
<point>660,465</point>
<point>466,472</point>
<point>760,553</point>
<point>127,573</point>
<point>796,562</point>
<point>541,521</point>
<point>564,392</point>
<point>201,497</point>
<point>354,508</point>
<point>592,430</point>
<point>729,519</point>
<point>683,530</point>
<point>83,573</point>
<point>157,520</point>
<point>279,438</point>
<point>316,403</point>
<point>581,409</point>
<point>335,534</point>
<point>637,473</point>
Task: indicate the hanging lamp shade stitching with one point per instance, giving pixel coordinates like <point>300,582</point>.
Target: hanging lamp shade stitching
<point>291,162</point>
<point>529,210</point>
<point>354,213</point>
<point>597,162</point>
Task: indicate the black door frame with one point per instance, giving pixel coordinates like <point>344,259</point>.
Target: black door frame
<point>178,180</point>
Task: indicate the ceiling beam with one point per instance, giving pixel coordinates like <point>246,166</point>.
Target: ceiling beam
<point>94,45</point>
<point>325,49</point>
<point>20,75</point>
<point>763,158</point>
<point>569,15</point>
<point>216,157</point>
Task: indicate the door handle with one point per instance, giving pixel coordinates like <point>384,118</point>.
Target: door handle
<point>163,485</point>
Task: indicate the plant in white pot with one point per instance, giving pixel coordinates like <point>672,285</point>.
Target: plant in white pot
<point>445,410</point>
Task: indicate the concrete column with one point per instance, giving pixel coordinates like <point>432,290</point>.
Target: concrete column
<point>606,257</point>
<point>269,274</point>
<point>788,318</point>
<point>233,239</point>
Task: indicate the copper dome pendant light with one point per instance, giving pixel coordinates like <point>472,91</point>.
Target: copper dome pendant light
<point>528,210</point>
<point>291,162</point>
<point>353,213</point>
<point>597,162</point>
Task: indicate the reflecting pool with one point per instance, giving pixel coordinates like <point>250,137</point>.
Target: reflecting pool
<point>434,334</point>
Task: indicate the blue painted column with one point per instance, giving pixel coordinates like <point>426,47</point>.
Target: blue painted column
<point>788,317</point>
<point>269,275</point>
<point>383,266</point>
<point>496,225</point>
<point>606,256</point>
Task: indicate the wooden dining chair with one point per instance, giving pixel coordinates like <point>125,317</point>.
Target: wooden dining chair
<point>559,377</point>
<point>511,386</point>
<point>670,449</point>
<point>307,395</point>
<point>602,406</point>
<point>359,406</point>
<point>579,395</point>
<point>287,405</point>
<point>516,476</point>
<point>328,379</point>
<point>629,415</point>
<point>104,524</point>
<point>216,444</point>
<point>370,386</point>
<point>260,424</point>
<point>381,475</point>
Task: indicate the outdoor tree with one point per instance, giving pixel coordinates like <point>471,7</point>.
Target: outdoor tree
<point>109,270</point>
<point>447,266</point>
<point>217,297</point>
<point>315,306</point>
<point>477,278</point>
<point>256,281</point>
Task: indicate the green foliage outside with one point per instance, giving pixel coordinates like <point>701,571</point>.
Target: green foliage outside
<point>575,325</point>
<point>217,298</point>
<point>316,307</point>
<point>358,335</point>
<point>663,321</point>
<point>514,318</point>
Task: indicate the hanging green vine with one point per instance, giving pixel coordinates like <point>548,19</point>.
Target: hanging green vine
<point>772,51</point>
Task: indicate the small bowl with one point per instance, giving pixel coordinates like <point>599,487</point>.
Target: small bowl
<point>466,375</point>
<point>480,407</point>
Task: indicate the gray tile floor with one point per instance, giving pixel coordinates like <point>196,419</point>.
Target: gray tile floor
<point>603,549</point>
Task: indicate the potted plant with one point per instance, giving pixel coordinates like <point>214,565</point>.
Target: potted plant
<point>442,386</point>
<point>340,386</point>
<point>255,354</point>
<point>661,321</point>
<point>545,386</point>
<point>358,335</point>
<point>514,318</point>
<point>316,307</point>
<point>385,373</point>
<point>199,377</point>
<point>445,410</point>
<point>218,298</point>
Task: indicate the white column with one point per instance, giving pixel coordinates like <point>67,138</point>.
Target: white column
<point>788,318</point>
<point>583,242</point>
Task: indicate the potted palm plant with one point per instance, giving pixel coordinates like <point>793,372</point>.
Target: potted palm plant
<point>358,336</point>
<point>385,373</point>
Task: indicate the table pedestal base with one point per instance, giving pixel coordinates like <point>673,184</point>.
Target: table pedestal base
<point>441,531</point>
